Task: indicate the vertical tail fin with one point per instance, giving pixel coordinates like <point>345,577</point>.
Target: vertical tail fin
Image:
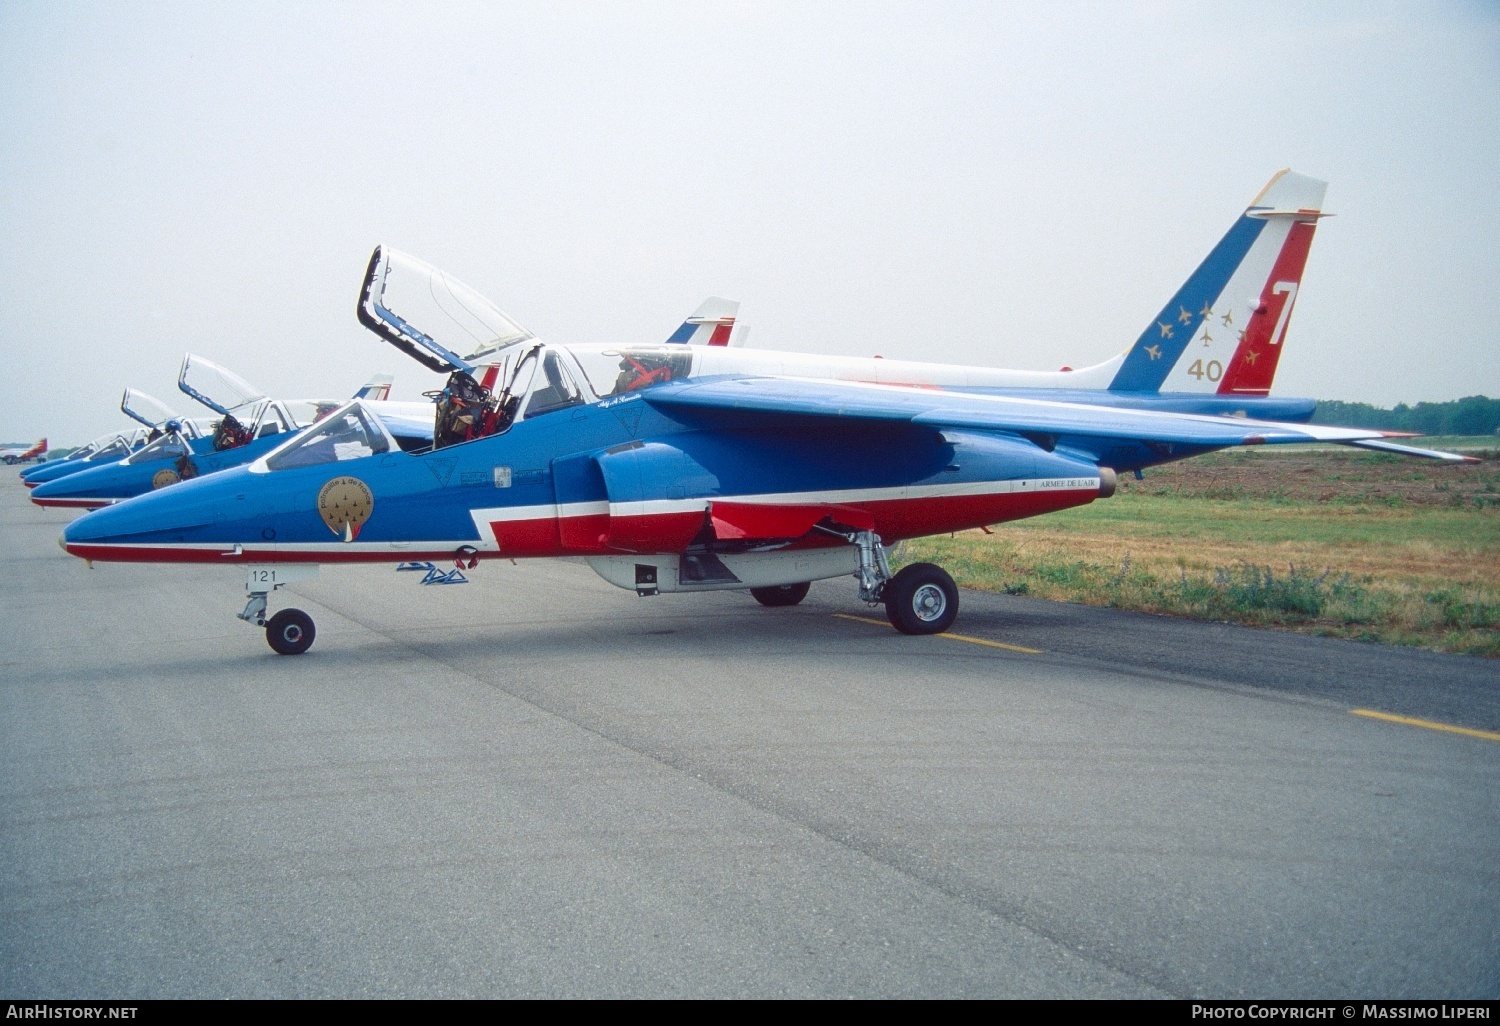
<point>1223,330</point>
<point>378,387</point>
<point>710,325</point>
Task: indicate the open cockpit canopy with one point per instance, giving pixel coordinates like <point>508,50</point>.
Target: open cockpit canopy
<point>146,409</point>
<point>219,389</point>
<point>431,316</point>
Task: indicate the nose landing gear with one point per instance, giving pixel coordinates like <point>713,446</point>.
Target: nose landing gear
<point>291,631</point>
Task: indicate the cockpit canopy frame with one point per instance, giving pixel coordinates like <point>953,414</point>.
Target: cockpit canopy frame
<point>431,316</point>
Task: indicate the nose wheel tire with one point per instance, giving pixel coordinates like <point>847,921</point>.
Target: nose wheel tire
<point>291,632</point>
<point>921,599</point>
<point>784,595</point>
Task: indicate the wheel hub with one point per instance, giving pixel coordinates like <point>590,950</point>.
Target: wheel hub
<point>929,602</point>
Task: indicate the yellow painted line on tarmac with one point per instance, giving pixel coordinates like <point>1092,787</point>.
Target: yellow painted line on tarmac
<point>950,637</point>
<point>1488,735</point>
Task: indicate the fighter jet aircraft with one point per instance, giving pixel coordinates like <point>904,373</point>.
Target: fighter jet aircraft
<point>249,424</point>
<point>676,468</point>
<point>151,413</point>
<point>115,445</point>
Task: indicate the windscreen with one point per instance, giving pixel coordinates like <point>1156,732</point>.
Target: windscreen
<point>349,434</point>
<point>145,409</point>
<point>213,386</point>
<point>115,448</point>
<point>426,307</point>
<point>92,449</point>
<point>169,446</point>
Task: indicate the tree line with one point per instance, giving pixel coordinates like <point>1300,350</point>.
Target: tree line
<point>1472,415</point>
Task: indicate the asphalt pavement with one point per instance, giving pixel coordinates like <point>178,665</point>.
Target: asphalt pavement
<point>537,785</point>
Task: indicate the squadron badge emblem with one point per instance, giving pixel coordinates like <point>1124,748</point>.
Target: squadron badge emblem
<point>345,503</point>
<point>165,477</point>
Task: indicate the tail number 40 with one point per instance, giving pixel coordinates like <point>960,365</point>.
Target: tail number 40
<point>1213,370</point>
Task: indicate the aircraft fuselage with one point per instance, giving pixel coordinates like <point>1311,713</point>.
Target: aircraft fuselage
<point>613,477</point>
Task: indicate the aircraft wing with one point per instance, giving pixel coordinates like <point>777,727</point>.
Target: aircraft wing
<point>760,401</point>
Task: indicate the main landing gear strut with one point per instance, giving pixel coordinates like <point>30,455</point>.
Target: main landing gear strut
<point>919,599</point>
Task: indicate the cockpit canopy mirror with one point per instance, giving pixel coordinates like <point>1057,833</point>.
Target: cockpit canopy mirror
<point>432,316</point>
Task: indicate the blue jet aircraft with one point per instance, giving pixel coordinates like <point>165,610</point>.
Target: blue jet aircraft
<point>250,423</point>
<point>667,468</point>
<point>151,413</point>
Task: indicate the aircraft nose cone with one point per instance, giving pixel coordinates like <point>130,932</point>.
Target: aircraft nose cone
<point>63,492</point>
<point>150,517</point>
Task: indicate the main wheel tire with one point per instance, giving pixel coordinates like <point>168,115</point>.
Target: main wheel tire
<point>783,595</point>
<point>291,632</point>
<point>921,599</point>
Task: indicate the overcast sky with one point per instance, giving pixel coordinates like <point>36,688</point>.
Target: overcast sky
<point>1016,185</point>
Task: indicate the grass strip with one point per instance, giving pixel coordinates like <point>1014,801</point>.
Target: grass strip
<point>1404,573</point>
